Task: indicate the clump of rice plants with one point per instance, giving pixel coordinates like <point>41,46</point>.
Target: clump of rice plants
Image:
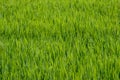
<point>59,40</point>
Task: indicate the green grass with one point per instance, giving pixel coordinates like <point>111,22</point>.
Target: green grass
<point>59,40</point>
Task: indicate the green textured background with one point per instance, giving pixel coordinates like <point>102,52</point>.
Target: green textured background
<point>59,39</point>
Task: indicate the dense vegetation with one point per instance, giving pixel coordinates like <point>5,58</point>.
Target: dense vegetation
<point>59,39</point>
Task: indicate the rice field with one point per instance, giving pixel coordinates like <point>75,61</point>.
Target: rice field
<point>59,39</point>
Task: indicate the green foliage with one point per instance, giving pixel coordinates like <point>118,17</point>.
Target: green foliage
<point>59,40</point>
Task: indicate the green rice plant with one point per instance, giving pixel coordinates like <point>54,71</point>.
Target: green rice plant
<point>59,40</point>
